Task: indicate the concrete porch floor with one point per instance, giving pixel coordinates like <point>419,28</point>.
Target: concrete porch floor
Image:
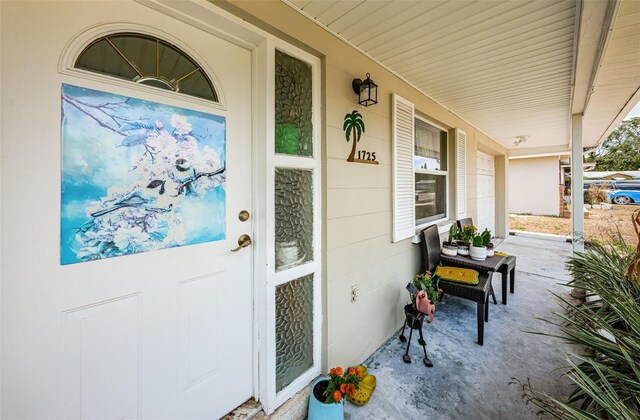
<point>472,381</point>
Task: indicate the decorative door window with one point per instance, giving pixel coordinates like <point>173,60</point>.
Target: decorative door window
<point>147,60</point>
<point>293,106</point>
<point>296,219</point>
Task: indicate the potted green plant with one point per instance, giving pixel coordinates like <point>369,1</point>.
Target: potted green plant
<point>450,247</point>
<point>479,244</point>
<point>490,249</point>
<point>429,283</point>
<point>465,236</point>
<point>326,400</point>
<point>486,241</point>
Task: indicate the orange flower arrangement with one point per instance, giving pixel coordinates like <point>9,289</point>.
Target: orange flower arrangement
<point>342,383</point>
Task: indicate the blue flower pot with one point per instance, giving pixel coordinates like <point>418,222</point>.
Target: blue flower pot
<point>319,410</point>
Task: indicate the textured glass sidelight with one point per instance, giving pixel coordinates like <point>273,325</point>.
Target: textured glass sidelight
<point>294,217</point>
<point>293,97</point>
<point>294,330</point>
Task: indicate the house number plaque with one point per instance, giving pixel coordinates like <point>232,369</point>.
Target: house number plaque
<point>353,128</point>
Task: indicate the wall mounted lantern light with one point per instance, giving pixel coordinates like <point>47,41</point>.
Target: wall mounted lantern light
<point>366,90</point>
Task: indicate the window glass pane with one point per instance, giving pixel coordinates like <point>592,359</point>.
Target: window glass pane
<point>103,58</point>
<point>174,65</point>
<point>629,186</point>
<point>431,197</point>
<point>294,217</point>
<point>293,97</point>
<point>294,330</point>
<point>430,147</point>
<point>197,85</point>
<point>147,60</point>
<point>156,83</point>
<point>141,51</point>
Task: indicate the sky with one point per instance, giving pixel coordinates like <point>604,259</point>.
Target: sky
<point>635,112</point>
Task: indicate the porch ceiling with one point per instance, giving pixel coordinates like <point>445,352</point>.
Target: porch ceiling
<point>508,67</point>
<point>616,87</point>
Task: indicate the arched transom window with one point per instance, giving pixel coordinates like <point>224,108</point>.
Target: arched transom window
<point>148,60</point>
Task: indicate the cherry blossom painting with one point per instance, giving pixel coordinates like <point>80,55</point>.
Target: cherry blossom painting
<point>138,176</point>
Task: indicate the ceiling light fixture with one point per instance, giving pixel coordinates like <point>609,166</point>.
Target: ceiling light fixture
<point>521,139</point>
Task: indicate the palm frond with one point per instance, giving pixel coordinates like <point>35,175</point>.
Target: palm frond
<point>606,374</point>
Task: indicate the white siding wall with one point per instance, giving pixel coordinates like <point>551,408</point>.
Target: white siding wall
<point>358,197</point>
<point>359,229</point>
<point>534,186</point>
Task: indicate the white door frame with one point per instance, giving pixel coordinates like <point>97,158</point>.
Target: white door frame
<point>269,279</point>
<point>212,19</point>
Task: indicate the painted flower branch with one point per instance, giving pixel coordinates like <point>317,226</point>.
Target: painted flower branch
<point>169,166</point>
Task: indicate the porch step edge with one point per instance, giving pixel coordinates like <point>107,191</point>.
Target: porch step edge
<point>295,408</point>
<point>538,235</point>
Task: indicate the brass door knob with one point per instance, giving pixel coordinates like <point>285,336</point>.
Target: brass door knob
<point>243,241</point>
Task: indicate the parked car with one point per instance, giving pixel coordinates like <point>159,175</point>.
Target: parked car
<point>626,192</point>
<point>620,192</point>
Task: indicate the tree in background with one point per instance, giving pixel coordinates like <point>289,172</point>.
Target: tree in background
<point>621,150</point>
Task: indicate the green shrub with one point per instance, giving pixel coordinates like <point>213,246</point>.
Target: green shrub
<point>606,374</point>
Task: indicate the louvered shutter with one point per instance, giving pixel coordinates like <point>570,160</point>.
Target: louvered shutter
<point>403,181</point>
<point>461,174</point>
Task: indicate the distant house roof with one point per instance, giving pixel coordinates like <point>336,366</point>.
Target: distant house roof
<point>612,175</point>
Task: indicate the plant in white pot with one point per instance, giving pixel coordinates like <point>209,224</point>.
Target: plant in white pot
<point>450,247</point>
<point>490,249</point>
<point>465,236</point>
<point>478,250</point>
<point>486,241</point>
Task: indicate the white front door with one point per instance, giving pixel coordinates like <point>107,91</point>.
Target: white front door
<point>486,193</point>
<point>160,334</point>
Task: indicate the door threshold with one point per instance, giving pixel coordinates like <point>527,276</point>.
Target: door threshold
<point>250,409</point>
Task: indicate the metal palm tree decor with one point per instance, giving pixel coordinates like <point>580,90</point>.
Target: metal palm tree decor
<point>354,127</point>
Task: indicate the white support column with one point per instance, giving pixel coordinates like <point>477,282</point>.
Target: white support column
<point>577,195</point>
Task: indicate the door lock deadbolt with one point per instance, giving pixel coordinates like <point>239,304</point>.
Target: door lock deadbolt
<point>244,216</point>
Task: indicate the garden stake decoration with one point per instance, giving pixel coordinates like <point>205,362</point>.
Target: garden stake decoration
<point>353,125</point>
<point>634,267</point>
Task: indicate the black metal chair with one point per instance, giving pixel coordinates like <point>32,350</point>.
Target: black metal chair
<point>478,293</point>
<point>508,268</point>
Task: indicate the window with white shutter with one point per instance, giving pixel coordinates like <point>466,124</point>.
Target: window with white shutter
<point>430,172</point>
<point>403,182</point>
<point>461,174</point>
<point>420,171</point>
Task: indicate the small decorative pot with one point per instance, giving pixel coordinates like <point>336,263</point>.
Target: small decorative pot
<point>413,317</point>
<point>450,248</point>
<point>320,410</point>
<point>478,253</point>
<point>490,251</point>
<point>463,248</point>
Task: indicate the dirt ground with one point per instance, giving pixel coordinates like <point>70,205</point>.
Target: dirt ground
<point>602,225</point>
